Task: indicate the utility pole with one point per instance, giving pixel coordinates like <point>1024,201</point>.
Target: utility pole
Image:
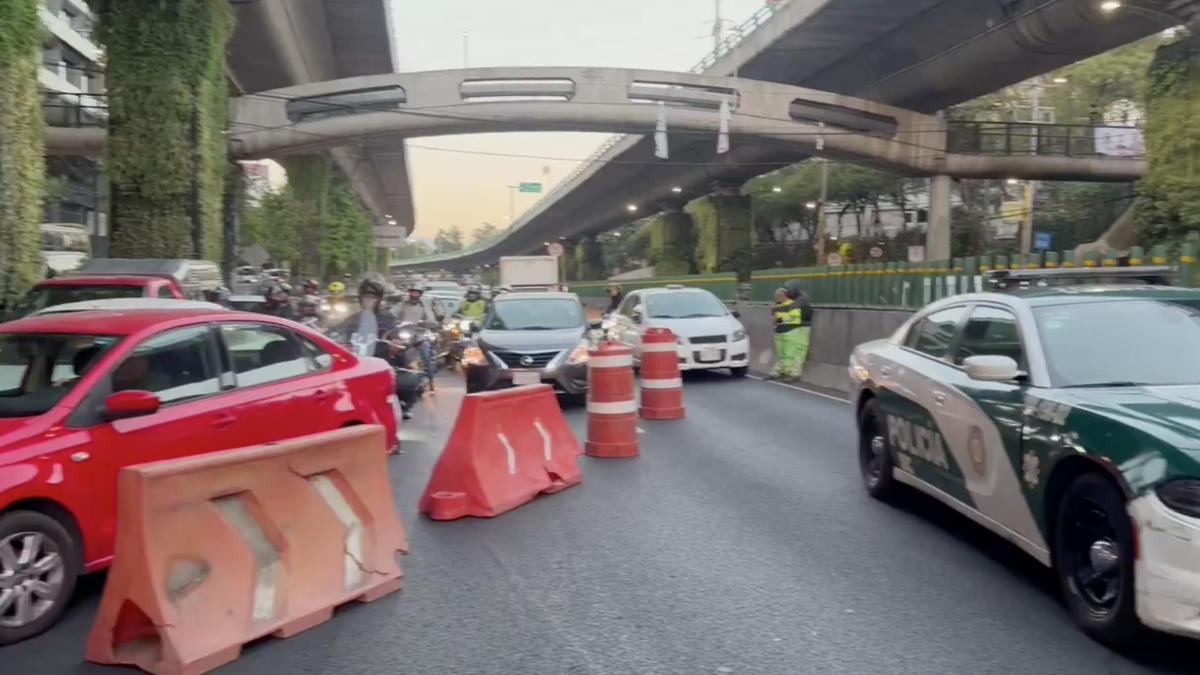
<point>718,22</point>
<point>466,45</point>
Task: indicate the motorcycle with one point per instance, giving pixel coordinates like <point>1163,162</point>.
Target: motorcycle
<point>398,349</point>
<point>460,332</point>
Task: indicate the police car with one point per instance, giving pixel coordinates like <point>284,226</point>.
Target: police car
<point>1062,411</point>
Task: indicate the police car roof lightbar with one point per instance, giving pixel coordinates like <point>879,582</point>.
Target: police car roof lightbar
<point>1015,280</point>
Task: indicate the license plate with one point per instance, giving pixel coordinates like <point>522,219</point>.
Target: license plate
<point>709,355</point>
<point>524,377</point>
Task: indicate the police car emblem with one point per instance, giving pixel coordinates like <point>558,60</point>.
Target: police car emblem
<point>977,451</point>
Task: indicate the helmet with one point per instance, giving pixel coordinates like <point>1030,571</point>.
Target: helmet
<point>369,287</point>
<point>337,287</point>
<point>416,289</point>
<point>311,286</point>
<point>309,302</point>
<point>274,289</point>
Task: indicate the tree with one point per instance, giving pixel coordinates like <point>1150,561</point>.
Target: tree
<point>485,232</point>
<point>448,241</point>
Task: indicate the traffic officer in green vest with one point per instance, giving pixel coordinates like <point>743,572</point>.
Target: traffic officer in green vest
<point>791,337</point>
<point>474,306</point>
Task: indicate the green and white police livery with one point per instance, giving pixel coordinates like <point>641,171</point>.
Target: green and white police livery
<point>1065,419</point>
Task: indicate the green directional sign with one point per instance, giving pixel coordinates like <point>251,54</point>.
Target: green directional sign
<point>531,188</point>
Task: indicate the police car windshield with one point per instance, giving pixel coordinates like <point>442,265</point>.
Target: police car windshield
<point>1121,343</point>
<point>685,305</point>
<point>535,314</point>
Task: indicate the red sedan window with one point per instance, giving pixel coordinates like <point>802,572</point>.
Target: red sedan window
<point>36,371</point>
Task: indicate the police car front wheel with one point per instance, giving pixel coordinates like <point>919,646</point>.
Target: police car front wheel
<point>874,457</point>
<point>1094,556</point>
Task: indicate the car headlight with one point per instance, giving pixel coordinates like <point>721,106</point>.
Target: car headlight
<point>473,356</point>
<point>739,335</point>
<point>404,335</point>
<point>579,355</point>
<point>1181,495</point>
<point>340,307</point>
<point>857,371</point>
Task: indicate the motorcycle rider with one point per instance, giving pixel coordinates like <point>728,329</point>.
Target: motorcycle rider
<point>474,306</point>
<point>370,321</point>
<point>311,287</point>
<point>614,298</point>
<point>309,315</point>
<point>414,311</point>
<point>279,302</point>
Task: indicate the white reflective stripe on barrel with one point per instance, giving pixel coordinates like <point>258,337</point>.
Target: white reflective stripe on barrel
<point>612,408</point>
<point>664,347</point>
<point>618,361</point>
<point>671,383</point>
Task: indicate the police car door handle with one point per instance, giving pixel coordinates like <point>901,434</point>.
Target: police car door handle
<point>885,371</point>
<point>939,397</point>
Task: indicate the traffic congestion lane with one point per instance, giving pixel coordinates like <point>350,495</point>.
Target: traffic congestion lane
<point>739,542</point>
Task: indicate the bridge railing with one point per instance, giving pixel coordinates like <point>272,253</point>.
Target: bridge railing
<point>1025,138</point>
<point>914,285</point>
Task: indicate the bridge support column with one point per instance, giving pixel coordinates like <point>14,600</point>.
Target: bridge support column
<point>22,167</point>
<point>589,260</point>
<point>168,114</point>
<point>937,238</point>
<point>672,241</point>
<point>724,231</point>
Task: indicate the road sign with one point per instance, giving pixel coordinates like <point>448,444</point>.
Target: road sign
<point>876,252</point>
<point>916,254</point>
<point>833,260</point>
<point>255,255</point>
<point>555,249</point>
<point>1042,241</point>
<point>530,188</point>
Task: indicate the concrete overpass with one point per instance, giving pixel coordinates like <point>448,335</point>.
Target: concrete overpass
<point>924,55</point>
<point>361,110</point>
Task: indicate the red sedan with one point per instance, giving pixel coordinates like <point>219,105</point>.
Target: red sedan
<point>83,395</point>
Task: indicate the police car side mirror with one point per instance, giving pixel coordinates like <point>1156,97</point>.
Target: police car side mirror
<point>991,368</point>
<point>736,314</point>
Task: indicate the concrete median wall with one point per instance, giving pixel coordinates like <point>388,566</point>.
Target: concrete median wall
<point>835,333</point>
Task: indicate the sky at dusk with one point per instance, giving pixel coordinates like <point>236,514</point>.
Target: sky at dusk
<point>453,183</point>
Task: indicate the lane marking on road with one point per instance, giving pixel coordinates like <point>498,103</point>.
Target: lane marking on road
<point>799,388</point>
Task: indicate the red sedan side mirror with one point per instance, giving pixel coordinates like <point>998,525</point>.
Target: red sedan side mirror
<point>132,403</point>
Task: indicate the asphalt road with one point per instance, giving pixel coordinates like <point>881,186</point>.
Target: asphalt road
<point>739,542</point>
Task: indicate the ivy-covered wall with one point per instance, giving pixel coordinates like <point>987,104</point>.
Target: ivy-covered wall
<point>671,244</point>
<point>309,178</point>
<point>724,236</point>
<point>1169,195</point>
<point>22,166</point>
<point>168,112</point>
<point>589,260</point>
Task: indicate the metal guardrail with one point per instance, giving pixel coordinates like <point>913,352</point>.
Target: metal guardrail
<point>1060,140</point>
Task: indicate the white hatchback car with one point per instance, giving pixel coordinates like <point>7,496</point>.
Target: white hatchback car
<point>710,335</point>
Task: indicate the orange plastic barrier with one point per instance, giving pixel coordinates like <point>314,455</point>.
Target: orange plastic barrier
<point>217,550</point>
<point>507,447</point>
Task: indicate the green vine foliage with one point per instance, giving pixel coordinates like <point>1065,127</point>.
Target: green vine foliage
<point>724,234</point>
<point>589,260</point>
<point>168,112</point>
<point>671,244</point>
<point>323,207</point>
<point>309,178</point>
<point>22,166</point>
<point>1169,195</point>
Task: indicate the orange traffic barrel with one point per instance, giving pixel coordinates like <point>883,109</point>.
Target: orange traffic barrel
<point>662,386</point>
<point>612,410</point>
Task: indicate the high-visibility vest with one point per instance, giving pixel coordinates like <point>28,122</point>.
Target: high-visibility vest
<point>473,309</point>
<point>787,313</point>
